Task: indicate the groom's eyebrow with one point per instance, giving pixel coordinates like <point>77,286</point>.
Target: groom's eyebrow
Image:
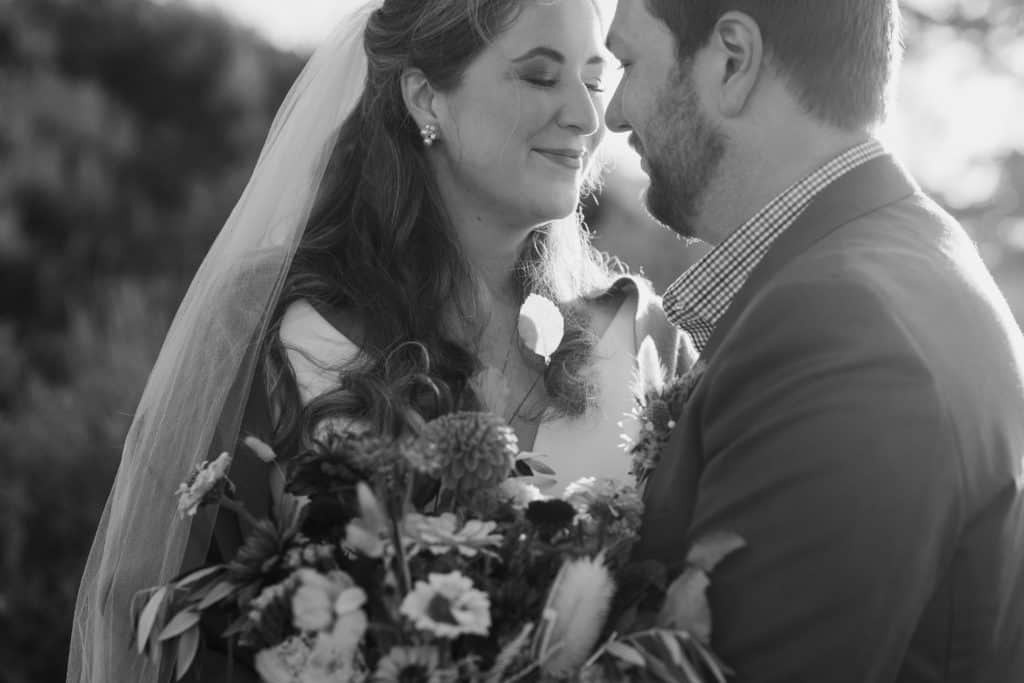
<point>553,55</point>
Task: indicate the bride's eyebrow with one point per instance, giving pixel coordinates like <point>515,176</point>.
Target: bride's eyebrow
<point>552,54</point>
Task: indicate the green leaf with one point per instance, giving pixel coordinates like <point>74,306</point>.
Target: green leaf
<point>219,592</point>
<point>626,653</point>
<point>711,549</point>
<point>148,617</point>
<point>537,466</point>
<point>182,621</point>
<point>672,645</point>
<point>690,671</point>
<point>188,645</point>
<point>716,667</point>
<point>686,605</point>
<point>195,576</point>
<point>657,667</point>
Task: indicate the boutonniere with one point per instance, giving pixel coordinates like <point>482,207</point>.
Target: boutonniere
<point>659,405</point>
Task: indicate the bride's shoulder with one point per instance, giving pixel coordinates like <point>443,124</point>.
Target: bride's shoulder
<point>635,295</point>
<point>627,293</point>
<point>315,347</point>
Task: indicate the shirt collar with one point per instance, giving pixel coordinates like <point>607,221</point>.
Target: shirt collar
<point>698,299</point>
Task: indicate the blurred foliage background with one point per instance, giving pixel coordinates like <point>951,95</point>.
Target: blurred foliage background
<point>127,130</point>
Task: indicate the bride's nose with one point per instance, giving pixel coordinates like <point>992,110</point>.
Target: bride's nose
<point>579,111</point>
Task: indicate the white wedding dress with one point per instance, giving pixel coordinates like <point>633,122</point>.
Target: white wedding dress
<point>587,446</point>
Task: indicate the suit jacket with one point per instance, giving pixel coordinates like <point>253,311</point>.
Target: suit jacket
<point>860,423</point>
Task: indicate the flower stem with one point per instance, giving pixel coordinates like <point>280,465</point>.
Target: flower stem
<point>238,507</point>
<point>404,579</point>
<point>519,407</point>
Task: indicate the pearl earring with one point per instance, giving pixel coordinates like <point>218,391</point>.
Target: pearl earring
<point>429,134</point>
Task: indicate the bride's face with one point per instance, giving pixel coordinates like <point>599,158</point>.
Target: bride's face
<point>519,132</point>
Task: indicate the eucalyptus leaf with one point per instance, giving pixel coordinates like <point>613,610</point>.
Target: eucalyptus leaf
<point>716,667</point>
<point>690,670</point>
<point>626,653</point>
<point>219,592</point>
<point>657,667</point>
<point>148,617</point>
<point>188,645</point>
<point>672,645</point>
<point>195,576</point>
<point>181,622</point>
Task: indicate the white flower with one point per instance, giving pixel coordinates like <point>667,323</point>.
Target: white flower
<point>448,606</point>
<point>541,326</point>
<point>305,659</point>
<point>575,613</point>
<point>322,599</point>
<point>282,663</point>
<point>368,533</point>
<point>441,534</point>
<point>204,478</point>
<point>520,493</point>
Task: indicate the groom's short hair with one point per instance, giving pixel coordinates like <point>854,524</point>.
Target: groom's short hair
<point>837,55</point>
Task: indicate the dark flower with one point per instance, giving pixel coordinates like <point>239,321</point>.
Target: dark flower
<point>550,515</point>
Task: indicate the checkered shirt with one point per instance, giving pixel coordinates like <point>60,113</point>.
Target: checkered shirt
<point>699,298</point>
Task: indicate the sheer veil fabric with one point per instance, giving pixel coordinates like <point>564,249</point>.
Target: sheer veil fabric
<point>195,395</point>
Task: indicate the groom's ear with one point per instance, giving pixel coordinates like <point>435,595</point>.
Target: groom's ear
<point>739,56</point>
<point>420,97</point>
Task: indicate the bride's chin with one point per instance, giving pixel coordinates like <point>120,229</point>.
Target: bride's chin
<point>557,209</point>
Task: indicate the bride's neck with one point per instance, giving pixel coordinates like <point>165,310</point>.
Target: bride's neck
<point>492,252</point>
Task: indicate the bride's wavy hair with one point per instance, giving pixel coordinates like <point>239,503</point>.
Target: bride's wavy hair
<point>379,251</point>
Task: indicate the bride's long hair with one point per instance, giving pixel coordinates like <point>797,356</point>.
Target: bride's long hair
<point>378,246</point>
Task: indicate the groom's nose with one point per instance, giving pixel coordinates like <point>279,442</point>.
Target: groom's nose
<point>614,118</point>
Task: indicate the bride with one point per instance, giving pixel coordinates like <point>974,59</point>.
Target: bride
<point>421,179</point>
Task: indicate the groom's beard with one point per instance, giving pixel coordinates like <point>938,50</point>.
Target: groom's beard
<point>685,156</point>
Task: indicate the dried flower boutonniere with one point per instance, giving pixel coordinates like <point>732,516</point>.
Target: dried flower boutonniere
<point>659,405</point>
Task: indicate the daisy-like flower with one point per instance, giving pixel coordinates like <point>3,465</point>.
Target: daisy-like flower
<point>442,534</point>
<point>204,484</point>
<point>402,664</point>
<point>448,606</point>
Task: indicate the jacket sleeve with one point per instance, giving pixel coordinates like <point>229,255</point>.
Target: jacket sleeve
<point>830,450</point>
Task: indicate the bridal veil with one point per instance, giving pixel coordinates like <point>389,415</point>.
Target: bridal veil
<point>194,398</point>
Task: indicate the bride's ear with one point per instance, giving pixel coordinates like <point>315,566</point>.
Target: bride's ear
<point>421,99</point>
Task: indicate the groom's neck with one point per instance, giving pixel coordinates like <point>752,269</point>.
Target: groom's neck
<point>762,161</point>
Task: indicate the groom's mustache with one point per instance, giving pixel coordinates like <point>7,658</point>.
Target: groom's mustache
<point>634,142</point>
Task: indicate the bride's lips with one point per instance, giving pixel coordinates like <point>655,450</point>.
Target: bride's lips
<point>563,156</point>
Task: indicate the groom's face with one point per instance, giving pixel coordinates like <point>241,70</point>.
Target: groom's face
<point>658,103</point>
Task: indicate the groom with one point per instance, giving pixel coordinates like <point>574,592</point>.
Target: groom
<point>860,417</point>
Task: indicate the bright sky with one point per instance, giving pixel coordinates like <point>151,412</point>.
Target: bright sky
<point>948,114</point>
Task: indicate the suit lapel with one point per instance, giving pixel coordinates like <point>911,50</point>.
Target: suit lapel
<point>670,493</point>
<point>870,186</point>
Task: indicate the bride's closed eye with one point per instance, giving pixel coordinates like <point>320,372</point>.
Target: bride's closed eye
<point>549,82</point>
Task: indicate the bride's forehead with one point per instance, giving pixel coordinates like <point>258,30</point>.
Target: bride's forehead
<point>567,24</point>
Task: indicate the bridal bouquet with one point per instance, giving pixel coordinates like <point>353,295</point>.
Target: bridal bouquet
<point>429,556</point>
